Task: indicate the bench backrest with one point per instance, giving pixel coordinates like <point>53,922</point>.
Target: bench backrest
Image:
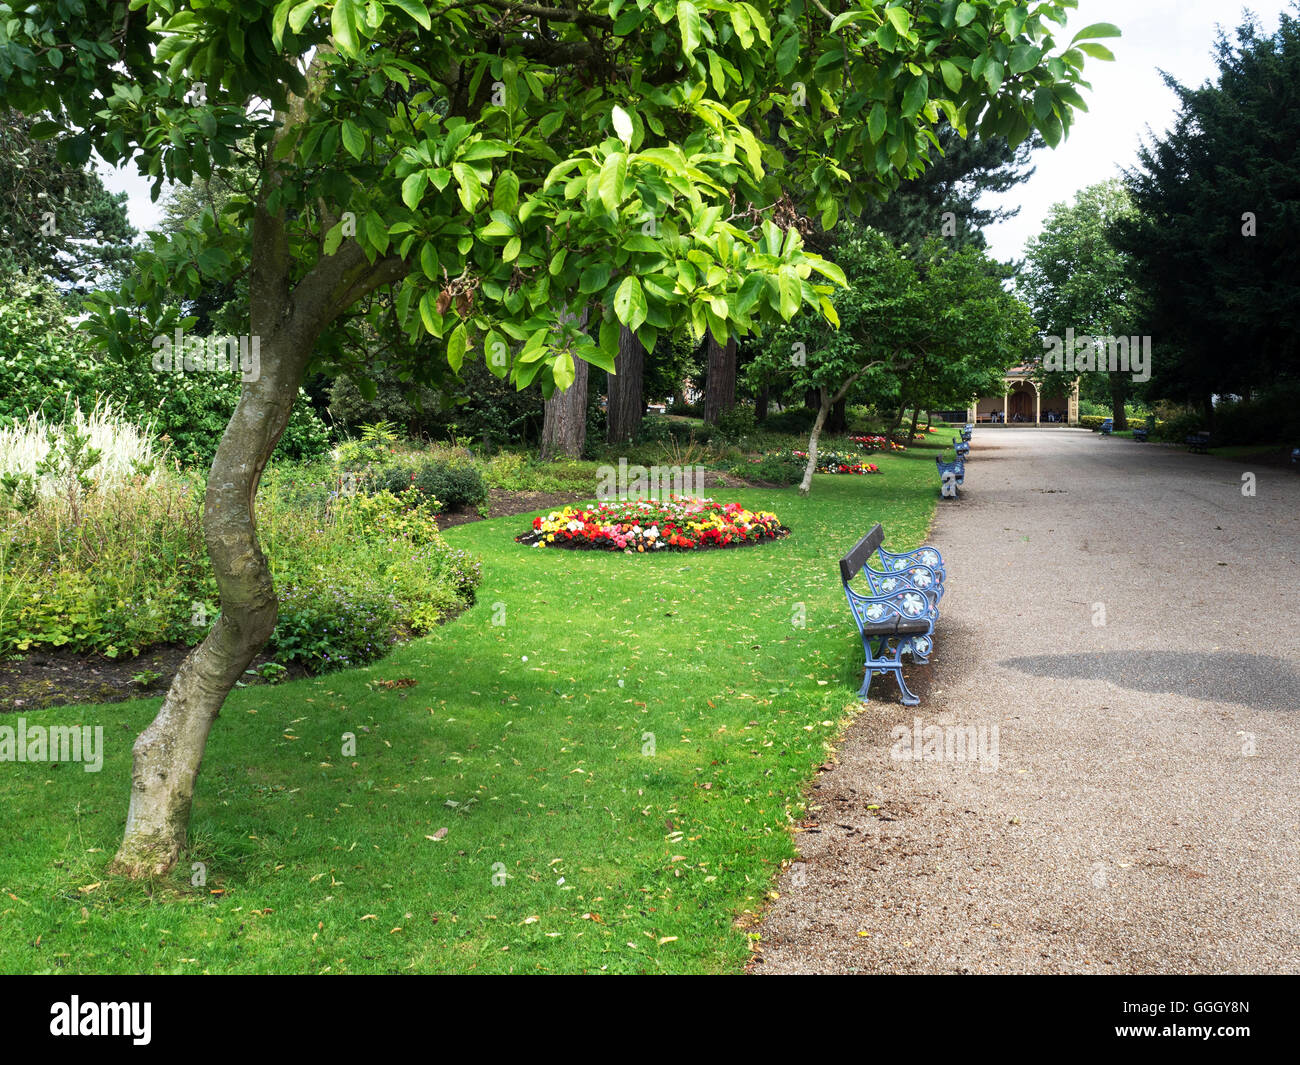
<point>853,562</point>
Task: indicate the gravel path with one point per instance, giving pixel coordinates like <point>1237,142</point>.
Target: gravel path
<point>1143,813</point>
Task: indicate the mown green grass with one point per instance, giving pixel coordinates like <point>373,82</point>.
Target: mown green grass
<point>527,741</point>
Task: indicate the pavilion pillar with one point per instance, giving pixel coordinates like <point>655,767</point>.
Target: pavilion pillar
<point>1038,405</point>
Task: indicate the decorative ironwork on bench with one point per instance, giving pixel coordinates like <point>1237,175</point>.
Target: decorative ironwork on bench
<point>899,614</point>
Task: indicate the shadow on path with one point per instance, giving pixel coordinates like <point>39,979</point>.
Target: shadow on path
<point>1257,681</point>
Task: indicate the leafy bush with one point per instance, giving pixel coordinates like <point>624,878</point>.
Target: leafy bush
<point>43,361</point>
<point>737,423</point>
<point>779,470</point>
<point>124,566</point>
<point>795,420</point>
<point>455,485</point>
<point>1272,417</point>
<point>327,624</point>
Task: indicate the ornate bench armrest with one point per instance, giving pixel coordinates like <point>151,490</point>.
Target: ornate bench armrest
<point>914,576</point>
<point>925,555</point>
<point>910,604</point>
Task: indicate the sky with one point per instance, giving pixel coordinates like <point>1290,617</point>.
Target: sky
<point>1128,99</point>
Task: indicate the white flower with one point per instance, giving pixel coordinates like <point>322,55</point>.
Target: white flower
<point>874,611</point>
<point>922,577</point>
<point>652,533</point>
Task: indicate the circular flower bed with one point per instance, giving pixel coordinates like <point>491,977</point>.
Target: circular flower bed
<point>641,526</point>
<point>838,462</point>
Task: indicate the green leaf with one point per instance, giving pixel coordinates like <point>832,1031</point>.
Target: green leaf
<point>343,27</point>
<point>916,95</point>
<point>613,175</point>
<point>622,125</point>
<point>629,303</point>
<point>966,14</point>
<point>688,23</point>
<point>413,188</point>
<point>1095,31</point>
<point>857,15</point>
<point>876,122</point>
<point>416,10</point>
<point>564,371</point>
<point>353,139</point>
<point>900,18</point>
<point>456,345</point>
<point>1098,51</point>
<point>496,353</point>
<point>951,76</point>
<point>301,15</point>
<point>468,185</point>
<point>993,75</point>
<point>1024,57</point>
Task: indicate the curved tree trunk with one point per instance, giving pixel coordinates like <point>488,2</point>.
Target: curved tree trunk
<point>823,410</point>
<point>626,390</point>
<point>168,753</point>
<point>720,387</point>
<point>286,320</point>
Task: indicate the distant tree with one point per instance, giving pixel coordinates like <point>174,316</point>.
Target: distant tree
<point>57,221</point>
<point>943,201</point>
<point>1078,281</point>
<point>1213,234</point>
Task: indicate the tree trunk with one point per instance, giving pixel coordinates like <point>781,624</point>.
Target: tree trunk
<point>626,395</point>
<point>564,422</point>
<point>838,419</point>
<point>916,417</point>
<point>1118,399</point>
<point>720,387</point>
<point>898,420</point>
<point>564,428</point>
<point>760,403</point>
<point>168,753</point>
<point>823,411</point>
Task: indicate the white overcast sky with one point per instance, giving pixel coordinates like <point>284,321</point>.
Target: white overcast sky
<point>1127,97</point>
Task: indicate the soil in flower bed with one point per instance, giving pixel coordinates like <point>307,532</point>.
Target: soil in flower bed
<point>57,676</point>
<point>502,503</point>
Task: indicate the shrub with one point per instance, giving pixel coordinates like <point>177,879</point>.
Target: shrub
<point>796,420</point>
<point>737,423</point>
<point>779,470</point>
<point>125,566</point>
<point>453,485</point>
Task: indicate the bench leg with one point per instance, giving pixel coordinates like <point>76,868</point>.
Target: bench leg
<point>875,664</point>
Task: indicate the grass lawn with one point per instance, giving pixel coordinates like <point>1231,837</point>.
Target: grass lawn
<point>529,742</point>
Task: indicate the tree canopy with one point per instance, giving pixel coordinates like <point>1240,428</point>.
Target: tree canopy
<point>519,181</point>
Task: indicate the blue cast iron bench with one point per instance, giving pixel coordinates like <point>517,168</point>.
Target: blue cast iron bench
<point>897,609</point>
<point>1106,427</point>
<point>952,475</point>
<point>1198,443</point>
<point>1140,435</point>
<point>960,446</point>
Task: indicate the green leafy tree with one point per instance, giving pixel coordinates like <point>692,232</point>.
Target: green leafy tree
<point>518,180</point>
<point>919,331</point>
<point>1077,280</point>
<point>57,221</point>
<point>1216,209</point>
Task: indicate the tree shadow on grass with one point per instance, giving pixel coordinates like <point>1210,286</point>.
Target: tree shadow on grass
<point>1260,682</point>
